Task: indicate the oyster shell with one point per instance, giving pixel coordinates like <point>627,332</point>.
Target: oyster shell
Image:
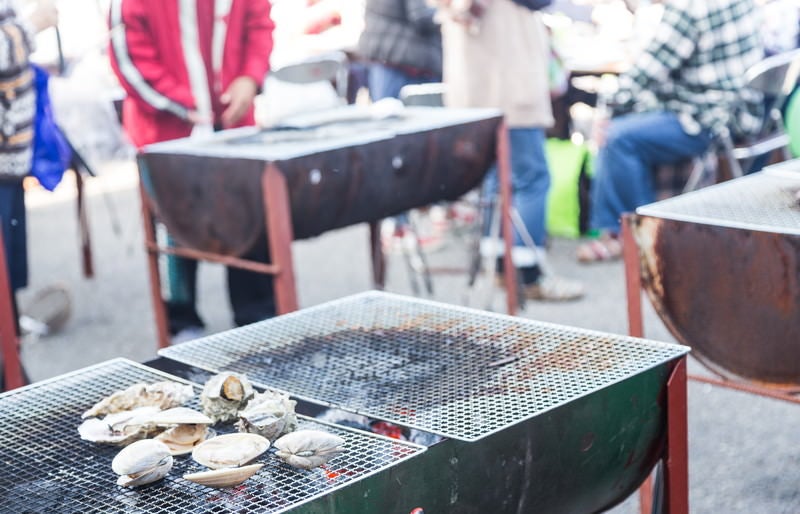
<point>230,450</point>
<point>141,463</point>
<point>270,414</point>
<point>182,439</point>
<point>226,477</point>
<point>224,395</point>
<point>120,428</point>
<point>163,395</point>
<point>308,449</point>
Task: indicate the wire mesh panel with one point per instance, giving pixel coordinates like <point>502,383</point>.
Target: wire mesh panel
<point>765,201</point>
<point>452,371</point>
<point>48,469</point>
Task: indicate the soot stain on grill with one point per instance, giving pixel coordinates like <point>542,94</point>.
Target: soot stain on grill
<point>360,367</point>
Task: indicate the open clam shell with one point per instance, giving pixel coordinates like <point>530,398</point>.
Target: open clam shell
<point>182,439</point>
<point>226,477</point>
<point>119,428</point>
<point>308,449</point>
<point>142,462</point>
<point>230,450</point>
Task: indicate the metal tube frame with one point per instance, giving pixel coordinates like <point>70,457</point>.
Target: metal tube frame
<point>278,225</point>
<point>676,455</point>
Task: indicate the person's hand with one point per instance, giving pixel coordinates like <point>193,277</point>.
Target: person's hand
<point>195,118</point>
<point>44,15</point>
<point>238,99</point>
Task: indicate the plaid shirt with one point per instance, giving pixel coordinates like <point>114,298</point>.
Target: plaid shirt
<point>695,65</point>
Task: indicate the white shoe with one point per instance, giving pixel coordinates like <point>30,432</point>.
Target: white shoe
<point>187,334</point>
<point>554,289</point>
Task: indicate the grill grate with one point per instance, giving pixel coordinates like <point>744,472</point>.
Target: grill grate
<point>452,371</point>
<point>47,468</point>
<point>763,201</point>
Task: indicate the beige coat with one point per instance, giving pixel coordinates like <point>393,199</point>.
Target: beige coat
<point>503,64</point>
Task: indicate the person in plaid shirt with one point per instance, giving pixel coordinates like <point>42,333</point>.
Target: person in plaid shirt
<point>686,87</point>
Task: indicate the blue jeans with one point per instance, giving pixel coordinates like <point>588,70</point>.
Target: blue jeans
<point>624,169</point>
<point>386,82</point>
<point>530,179</point>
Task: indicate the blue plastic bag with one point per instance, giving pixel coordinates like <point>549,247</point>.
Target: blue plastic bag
<point>52,153</point>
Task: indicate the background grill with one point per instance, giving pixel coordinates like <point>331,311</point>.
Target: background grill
<point>763,201</point>
<point>456,372</point>
<point>47,468</point>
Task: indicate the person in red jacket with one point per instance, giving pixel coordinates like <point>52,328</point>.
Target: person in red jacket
<point>190,66</point>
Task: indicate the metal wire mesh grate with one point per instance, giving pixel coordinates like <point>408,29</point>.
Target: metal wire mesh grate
<point>763,201</point>
<point>47,468</point>
<point>456,372</point>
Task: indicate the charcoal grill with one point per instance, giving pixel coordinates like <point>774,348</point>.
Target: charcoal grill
<point>535,417</point>
<point>218,196</point>
<point>722,268</point>
<point>48,469</point>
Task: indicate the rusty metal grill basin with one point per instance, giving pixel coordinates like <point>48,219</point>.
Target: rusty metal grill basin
<point>48,469</point>
<point>357,169</point>
<point>722,269</point>
<point>457,372</point>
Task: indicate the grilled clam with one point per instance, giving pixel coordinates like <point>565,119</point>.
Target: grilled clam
<point>224,395</point>
<point>230,450</point>
<point>226,477</point>
<point>182,439</point>
<point>163,395</point>
<point>120,428</point>
<point>308,449</point>
<point>141,463</point>
<point>270,414</point>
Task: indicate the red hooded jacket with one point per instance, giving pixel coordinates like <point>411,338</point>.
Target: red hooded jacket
<point>155,53</point>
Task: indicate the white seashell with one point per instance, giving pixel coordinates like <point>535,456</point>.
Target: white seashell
<point>308,449</point>
<point>117,428</point>
<point>182,439</point>
<point>224,395</point>
<point>163,395</point>
<point>226,477</point>
<point>174,416</point>
<point>141,463</point>
<point>270,414</point>
<point>230,450</point>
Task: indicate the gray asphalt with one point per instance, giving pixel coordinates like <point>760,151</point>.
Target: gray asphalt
<point>744,450</point>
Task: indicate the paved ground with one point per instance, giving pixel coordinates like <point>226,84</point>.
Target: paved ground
<point>744,451</point>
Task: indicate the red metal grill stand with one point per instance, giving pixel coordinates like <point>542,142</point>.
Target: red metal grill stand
<point>9,341</point>
<point>280,235</point>
<point>635,323</point>
<point>676,456</point>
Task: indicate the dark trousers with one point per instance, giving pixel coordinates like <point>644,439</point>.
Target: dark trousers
<point>251,294</point>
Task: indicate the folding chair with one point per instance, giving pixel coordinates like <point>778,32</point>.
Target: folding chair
<point>775,78</point>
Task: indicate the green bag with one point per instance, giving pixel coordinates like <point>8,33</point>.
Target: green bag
<point>567,202</point>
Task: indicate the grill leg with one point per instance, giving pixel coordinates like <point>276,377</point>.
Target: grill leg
<point>9,342</point>
<point>504,175</point>
<point>676,464</point>
<point>159,309</point>
<point>378,257</point>
<point>278,216</point>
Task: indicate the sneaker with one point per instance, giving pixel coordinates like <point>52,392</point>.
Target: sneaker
<point>553,288</point>
<point>187,334</point>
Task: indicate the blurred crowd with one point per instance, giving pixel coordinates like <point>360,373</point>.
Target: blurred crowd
<point>640,84</point>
